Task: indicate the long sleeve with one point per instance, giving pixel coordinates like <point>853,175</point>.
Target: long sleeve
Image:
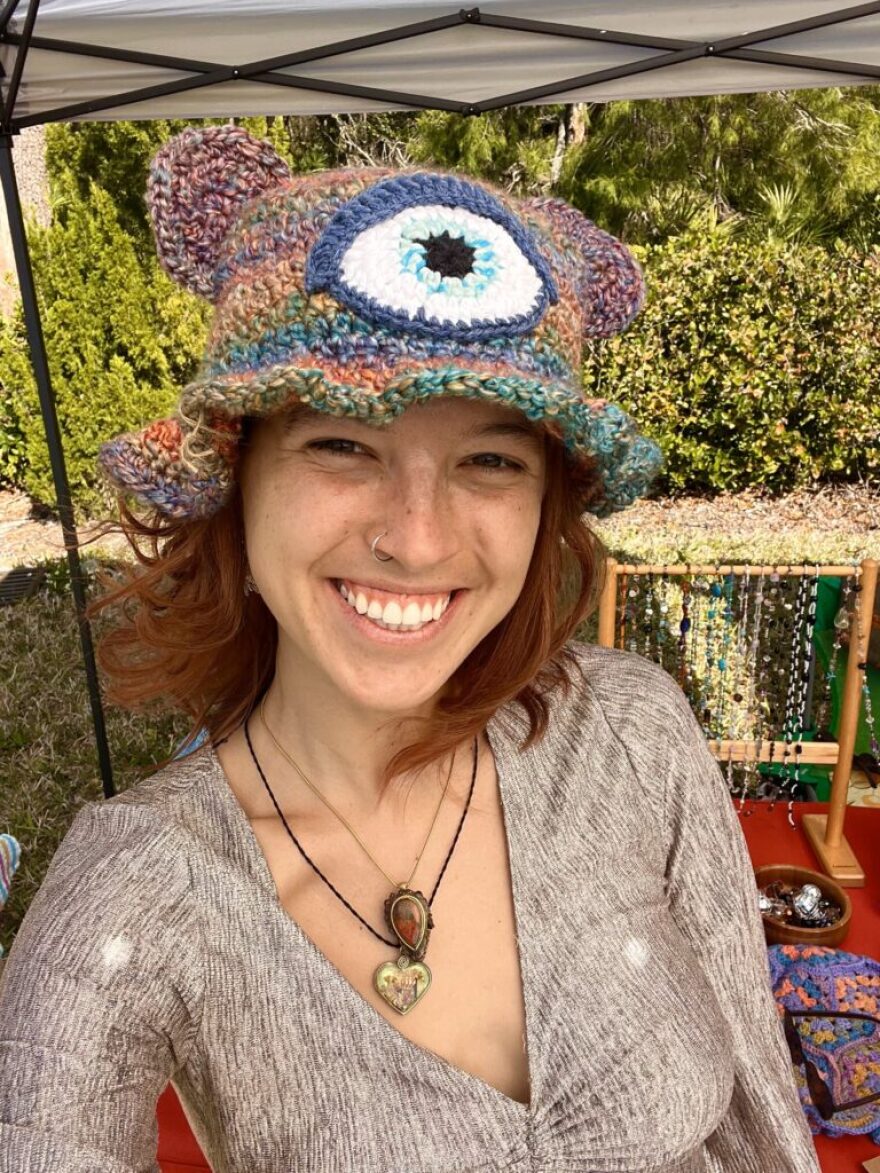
<point>98,1007</point>
<point>712,895</point>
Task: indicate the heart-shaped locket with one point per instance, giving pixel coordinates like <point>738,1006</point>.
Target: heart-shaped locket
<point>402,983</point>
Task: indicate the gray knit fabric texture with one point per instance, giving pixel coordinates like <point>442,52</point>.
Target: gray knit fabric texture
<point>156,950</point>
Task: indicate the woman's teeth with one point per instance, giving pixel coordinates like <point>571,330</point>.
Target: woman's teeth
<point>391,615</point>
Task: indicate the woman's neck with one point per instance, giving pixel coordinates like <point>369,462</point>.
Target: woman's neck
<point>341,747</point>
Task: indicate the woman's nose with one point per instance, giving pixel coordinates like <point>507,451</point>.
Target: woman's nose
<point>423,529</point>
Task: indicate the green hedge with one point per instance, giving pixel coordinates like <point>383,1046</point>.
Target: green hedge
<point>121,340</point>
<point>752,364</point>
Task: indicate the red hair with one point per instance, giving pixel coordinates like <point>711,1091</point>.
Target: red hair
<point>189,638</point>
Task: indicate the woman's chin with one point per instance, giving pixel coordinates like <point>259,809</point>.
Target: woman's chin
<point>393,694</point>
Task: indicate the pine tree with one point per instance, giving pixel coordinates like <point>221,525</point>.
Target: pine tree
<point>121,339</point>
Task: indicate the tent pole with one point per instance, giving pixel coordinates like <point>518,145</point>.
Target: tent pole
<point>56,452</point>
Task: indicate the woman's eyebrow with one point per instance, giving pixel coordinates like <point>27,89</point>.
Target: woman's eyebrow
<point>511,428</point>
<point>299,419</point>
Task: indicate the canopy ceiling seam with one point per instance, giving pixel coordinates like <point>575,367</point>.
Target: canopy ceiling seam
<point>7,12</point>
<point>264,71</point>
<point>21,55</point>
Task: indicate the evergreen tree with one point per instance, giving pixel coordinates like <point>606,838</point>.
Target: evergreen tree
<point>121,339</point>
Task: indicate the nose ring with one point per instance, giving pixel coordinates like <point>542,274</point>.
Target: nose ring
<point>379,557</point>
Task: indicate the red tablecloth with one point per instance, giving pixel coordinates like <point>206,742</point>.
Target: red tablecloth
<point>770,840</point>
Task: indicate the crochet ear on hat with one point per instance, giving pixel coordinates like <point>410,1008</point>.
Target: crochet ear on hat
<point>155,466</point>
<point>611,287</point>
<point>198,183</point>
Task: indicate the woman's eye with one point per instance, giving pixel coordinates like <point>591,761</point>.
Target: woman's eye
<point>493,460</point>
<point>337,446</point>
<point>433,256</point>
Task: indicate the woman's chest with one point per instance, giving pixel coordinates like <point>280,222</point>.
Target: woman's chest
<point>472,1015</point>
<point>303,1057</point>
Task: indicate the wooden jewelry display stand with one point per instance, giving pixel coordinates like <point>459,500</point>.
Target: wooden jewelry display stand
<point>824,832</point>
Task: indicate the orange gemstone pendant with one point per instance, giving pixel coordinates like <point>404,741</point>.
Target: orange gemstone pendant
<point>408,916</point>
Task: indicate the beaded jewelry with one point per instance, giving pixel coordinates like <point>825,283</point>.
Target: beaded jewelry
<point>650,649</point>
<point>840,627</point>
<point>633,595</point>
<point>755,700</point>
<point>696,587</point>
<point>799,681</point>
<point>402,983</point>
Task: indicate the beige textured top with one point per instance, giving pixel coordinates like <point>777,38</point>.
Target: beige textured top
<point>157,950</point>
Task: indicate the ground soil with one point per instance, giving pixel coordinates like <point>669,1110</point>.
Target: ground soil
<point>28,534</point>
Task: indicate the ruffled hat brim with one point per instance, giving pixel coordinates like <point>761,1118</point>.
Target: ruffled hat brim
<point>185,467</point>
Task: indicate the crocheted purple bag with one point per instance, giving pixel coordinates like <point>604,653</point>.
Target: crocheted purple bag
<point>846,1051</point>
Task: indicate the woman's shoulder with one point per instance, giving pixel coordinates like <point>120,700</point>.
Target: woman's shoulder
<point>626,687</point>
<point>124,859</point>
<point>112,924</point>
<point>171,791</point>
<point>619,697</point>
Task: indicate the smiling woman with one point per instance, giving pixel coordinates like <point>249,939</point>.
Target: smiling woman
<point>361,560</point>
<point>315,488</point>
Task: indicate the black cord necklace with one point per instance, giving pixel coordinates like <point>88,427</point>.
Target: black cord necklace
<point>404,982</point>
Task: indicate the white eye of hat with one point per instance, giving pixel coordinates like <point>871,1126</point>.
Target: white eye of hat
<point>436,256</point>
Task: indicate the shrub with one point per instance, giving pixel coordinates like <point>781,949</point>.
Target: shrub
<point>752,364</point>
<point>12,426</point>
<point>120,337</point>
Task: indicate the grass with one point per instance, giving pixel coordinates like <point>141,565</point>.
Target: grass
<point>47,747</point>
<point>782,547</point>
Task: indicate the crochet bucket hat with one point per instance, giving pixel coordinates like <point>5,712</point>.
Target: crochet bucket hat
<point>359,292</point>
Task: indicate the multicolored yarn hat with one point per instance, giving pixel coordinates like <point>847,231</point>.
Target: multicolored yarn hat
<point>845,1051</point>
<point>360,292</point>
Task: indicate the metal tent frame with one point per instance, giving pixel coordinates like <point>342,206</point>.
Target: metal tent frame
<point>663,53</point>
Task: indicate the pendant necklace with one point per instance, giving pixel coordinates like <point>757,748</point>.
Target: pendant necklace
<point>402,983</point>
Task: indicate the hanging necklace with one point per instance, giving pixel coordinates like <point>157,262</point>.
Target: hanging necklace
<point>404,982</point>
<point>846,597</point>
<point>754,697</point>
<point>648,614</point>
<point>332,808</point>
<point>685,675</point>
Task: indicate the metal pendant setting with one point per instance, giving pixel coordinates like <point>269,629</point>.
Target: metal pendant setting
<point>403,983</point>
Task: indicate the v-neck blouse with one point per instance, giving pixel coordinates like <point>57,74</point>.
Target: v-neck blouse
<point>157,949</point>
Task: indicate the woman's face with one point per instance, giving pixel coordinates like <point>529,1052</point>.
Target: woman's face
<point>457,484</point>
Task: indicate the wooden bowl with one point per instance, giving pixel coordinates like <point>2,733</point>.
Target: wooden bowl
<point>777,933</point>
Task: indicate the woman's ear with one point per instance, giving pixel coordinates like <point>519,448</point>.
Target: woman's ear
<point>198,183</point>
<point>609,282</point>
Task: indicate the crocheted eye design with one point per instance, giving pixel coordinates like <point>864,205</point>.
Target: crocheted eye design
<point>435,256</point>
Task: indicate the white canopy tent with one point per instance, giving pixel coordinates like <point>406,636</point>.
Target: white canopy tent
<point>121,59</point>
<point>195,58</point>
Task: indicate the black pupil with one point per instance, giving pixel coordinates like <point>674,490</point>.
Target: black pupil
<point>448,255</point>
